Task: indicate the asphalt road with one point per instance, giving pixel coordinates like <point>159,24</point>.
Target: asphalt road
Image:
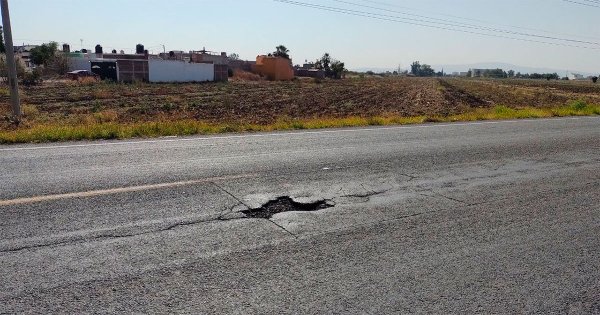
<point>490,217</point>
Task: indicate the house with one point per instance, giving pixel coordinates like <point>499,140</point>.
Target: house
<point>309,70</point>
<point>141,66</point>
<point>23,53</point>
<point>460,74</point>
<point>205,56</point>
<point>575,76</point>
<point>274,68</point>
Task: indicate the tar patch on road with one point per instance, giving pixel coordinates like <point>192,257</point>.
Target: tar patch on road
<point>285,204</point>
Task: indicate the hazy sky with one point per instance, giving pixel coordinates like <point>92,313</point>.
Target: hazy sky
<point>252,27</point>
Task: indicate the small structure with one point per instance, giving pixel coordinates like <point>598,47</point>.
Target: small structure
<point>176,66</point>
<point>274,68</point>
<point>460,74</point>
<point>309,73</point>
<point>478,73</point>
<point>575,76</point>
<point>106,69</point>
<point>309,70</point>
<point>23,53</point>
<point>205,56</point>
<point>130,67</point>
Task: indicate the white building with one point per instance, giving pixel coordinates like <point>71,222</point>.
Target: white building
<point>575,76</point>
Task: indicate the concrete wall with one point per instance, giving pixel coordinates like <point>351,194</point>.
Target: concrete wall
<point>312,73</point>
<point>178,71</point>
<point>274,68</point>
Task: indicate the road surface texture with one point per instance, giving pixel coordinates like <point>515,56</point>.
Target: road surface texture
<point>489,217</point>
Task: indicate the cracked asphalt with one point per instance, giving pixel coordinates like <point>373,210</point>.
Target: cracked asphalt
<point>491,217</point>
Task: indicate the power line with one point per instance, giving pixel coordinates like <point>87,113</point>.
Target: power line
<point>583,3</point>
<point>483,21</point>
<point>470,26</point>
<point>418,23</point>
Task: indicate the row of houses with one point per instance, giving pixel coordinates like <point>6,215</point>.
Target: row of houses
<point>200,66</point>
<point>172,66</point>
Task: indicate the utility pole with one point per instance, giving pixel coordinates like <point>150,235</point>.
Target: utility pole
<point>10,61</point>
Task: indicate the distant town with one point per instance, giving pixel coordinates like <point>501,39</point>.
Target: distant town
<point>204,65</point>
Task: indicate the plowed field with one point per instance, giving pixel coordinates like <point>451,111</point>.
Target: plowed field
<point>264,102</point>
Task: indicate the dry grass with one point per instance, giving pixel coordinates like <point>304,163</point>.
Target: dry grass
<point>245,75</point>
<point>102,126</point>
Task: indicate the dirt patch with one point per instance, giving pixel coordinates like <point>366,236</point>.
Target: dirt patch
<point>457,96</point>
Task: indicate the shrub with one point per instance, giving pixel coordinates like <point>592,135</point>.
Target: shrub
<point>32,78</point>
<point>578,105</point>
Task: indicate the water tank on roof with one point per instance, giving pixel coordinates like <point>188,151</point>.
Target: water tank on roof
<point>66,48</point>
<point>114,51</point>
<point>139,49</point>
<point>98,49</point>
<point>84,51</point>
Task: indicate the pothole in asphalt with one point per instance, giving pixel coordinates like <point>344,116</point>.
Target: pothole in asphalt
<point>285,204</point>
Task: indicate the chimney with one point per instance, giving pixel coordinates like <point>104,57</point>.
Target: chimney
<point>66,48</point>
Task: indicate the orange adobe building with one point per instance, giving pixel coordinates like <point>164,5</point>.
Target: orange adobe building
<point>274,68</point>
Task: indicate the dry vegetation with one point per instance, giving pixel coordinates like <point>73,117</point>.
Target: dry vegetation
<point>90,110</point>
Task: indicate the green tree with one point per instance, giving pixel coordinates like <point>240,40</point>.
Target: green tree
<point>324,63</point>
<point>415,68</point>
<point>233,56</point>
<point>427,71</point>
<point>282,51</point>
<point>421,70</point>
<point>494,73</point>
<point>333,68</point>
<point>42,55</point>
<point>337,69</point>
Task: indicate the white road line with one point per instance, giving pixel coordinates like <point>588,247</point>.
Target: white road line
<point>284,134</point>
<point>111,191</point>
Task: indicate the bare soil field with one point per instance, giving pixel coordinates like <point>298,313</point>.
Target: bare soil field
<point>264,102</point>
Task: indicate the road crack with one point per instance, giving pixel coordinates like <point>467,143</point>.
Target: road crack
<point>108,235</point>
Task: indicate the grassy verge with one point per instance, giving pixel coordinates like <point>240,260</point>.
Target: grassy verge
<point>111,130</point>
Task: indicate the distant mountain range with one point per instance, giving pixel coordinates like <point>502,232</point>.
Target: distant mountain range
<point>486,65</point>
